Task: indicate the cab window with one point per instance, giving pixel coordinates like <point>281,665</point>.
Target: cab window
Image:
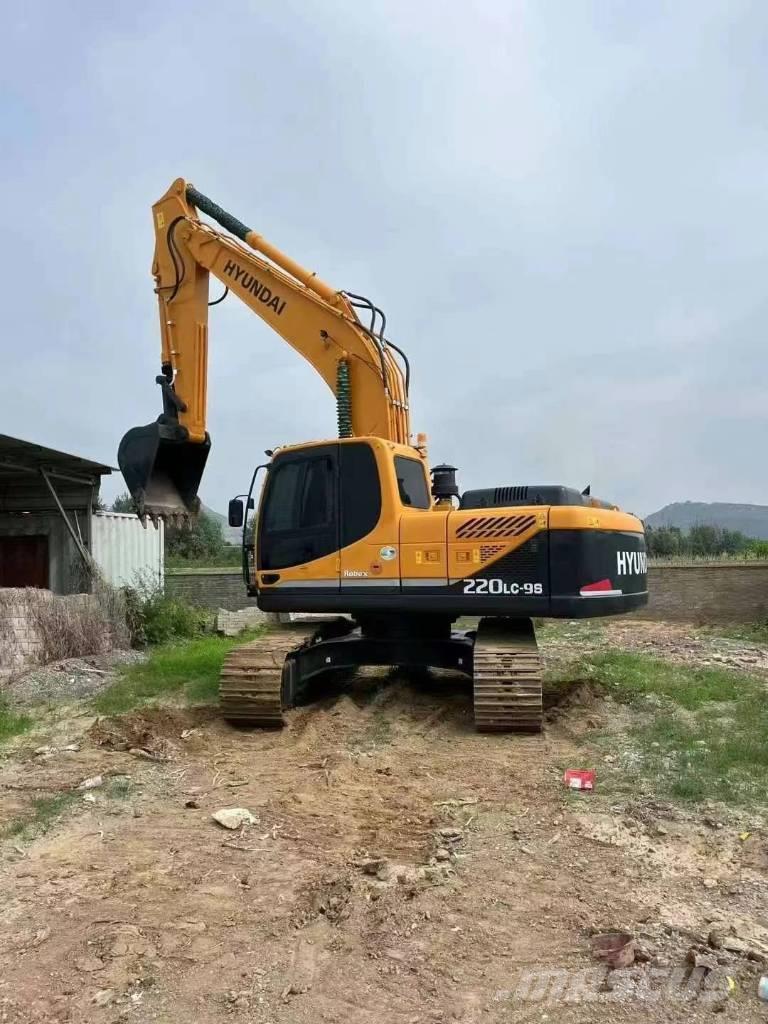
<point>298,522</point>
<point>412,482</point>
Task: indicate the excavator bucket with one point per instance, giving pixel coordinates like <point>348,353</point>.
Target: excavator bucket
<point>162,471</point>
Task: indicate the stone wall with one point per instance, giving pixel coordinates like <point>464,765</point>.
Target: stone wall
<point>698,593</point>
<point>20,642</point>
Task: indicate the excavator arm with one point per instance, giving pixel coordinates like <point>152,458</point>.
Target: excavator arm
<point>163,462</point>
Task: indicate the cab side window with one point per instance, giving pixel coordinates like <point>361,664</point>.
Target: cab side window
<point>412,482</point>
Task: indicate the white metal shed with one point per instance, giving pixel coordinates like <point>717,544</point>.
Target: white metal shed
<point>126,552</point>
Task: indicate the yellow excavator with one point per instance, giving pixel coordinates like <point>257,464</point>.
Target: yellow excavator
<point>358,525</point>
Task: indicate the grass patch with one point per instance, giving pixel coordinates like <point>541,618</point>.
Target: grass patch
<point>12,724</point>
<point>632,677</point>
<point>46,810</point>
<point>754,632</point>
<point>191,668</point>
<point>120,788</point>
<point>699,733</point>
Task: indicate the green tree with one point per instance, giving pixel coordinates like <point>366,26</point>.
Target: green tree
<point>202,540</point>
<point>663,542</point>
<point>704,540</point>
<point>735,542</point>
<point>123,503</point>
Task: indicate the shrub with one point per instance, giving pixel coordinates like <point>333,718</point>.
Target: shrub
<point>80,624</point>
<point>155,618</point>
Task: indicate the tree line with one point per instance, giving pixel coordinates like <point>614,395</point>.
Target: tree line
<point>702,541</point>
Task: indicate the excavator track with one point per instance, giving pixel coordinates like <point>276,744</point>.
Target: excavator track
<point>251,680</point>
<point>507,677</point>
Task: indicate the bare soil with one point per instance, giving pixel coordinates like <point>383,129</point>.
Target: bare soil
<point>67,678</point>
<point>678,642</point>
<point>402,869</point>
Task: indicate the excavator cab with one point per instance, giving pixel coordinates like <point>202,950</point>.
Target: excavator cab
<point>163,469</point>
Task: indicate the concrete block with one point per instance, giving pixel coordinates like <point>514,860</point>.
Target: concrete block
<point>233,623</point>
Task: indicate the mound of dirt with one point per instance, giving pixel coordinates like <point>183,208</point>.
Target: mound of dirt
<point>328,896</point>
<point>576,706</point>
<point>157,731</point>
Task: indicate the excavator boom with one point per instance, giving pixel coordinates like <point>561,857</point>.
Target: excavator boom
<point>163,462</point>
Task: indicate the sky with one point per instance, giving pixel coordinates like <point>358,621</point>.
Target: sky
<point>560,204</point>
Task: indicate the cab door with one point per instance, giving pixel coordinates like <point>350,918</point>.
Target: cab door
<point>369,555</point>
<point>298,536</point>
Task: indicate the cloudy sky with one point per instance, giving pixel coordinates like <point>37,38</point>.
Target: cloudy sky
<point>560,204</point>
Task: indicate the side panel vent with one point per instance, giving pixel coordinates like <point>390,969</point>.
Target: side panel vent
<point>494,527</point>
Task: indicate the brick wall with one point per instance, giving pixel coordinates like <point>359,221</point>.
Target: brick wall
<point>679,593</point>
<point>708,594</point>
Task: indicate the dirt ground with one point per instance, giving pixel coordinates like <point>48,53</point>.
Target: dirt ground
<point>401,869</point>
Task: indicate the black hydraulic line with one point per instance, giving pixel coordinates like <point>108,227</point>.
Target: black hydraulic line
<point>369,307</point>
<point>380,349</point>
<point>175,257</point>
<point>407,364</point>
<point>383,324</point>
<point>397,349</point>
<point>220,298</point>
<point>364,303</point>
<point>376,340</point>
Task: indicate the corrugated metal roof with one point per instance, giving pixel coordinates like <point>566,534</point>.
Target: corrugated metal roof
<point>25,455</point>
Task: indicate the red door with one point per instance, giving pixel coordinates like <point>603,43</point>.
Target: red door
<point>24,561</point>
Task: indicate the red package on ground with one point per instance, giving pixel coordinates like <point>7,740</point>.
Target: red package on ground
<point>574,778</point>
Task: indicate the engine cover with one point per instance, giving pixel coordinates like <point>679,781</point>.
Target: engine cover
<point>536,494</point>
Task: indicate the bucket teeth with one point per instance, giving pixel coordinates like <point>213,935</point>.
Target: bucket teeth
<point>178,520</point>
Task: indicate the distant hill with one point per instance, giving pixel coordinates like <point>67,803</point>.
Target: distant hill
<point>231,534</point>
<point>751,520</point>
